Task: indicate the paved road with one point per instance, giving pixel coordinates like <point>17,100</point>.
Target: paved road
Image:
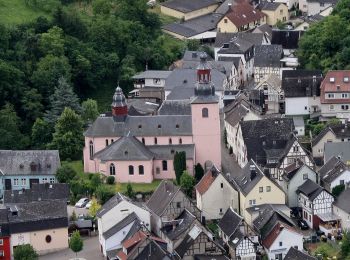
<point>91,251</point>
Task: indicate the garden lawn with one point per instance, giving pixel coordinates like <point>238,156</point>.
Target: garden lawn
<point>13,12</point>
<point>326,249</point>
<point>164,19</point>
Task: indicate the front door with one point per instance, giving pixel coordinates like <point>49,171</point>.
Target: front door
<point>31,181</point>
<point>7,184</point>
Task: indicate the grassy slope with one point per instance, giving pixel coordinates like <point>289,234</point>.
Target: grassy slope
<point>14,12</point>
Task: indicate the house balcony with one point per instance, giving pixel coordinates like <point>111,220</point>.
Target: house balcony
<point>329,224</point>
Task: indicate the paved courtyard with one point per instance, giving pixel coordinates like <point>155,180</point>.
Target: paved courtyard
<point>91,251</point>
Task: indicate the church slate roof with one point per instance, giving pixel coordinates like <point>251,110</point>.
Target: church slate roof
<point>166,152</point>
<point>161,125</point>
<point>175,107</point>
<point>14,162</point>
<point>126,148</point>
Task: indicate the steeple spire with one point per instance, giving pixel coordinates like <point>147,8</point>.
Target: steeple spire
<point>204,86</point>
<point>119,106</point>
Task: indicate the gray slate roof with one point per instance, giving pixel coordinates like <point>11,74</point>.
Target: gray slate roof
<point>332,169</point>
<point>310,189</point>
<point>268,55</point>
<point>166,152</point>
<point>141,126</point>
<point>342,201</point>
<point>162,196</point>
<point>112,202</point>
<point>234,116</point>
<point>178,226</point>
<point>265,29</point>
<point>252,38</point>
<point>230,222</point>
<point>341,149</point>
<point>120,225</point>
<point>151,74</point>
<point>194,26</point>
<point>12,162</point>
<point>243,178</point>
<point>295,254</point>
<point>126,148</point>
<point>38,192</point>
<point>186,6</point>
<point>341,131</point>
<point>187,78</point>
<point>175,107</point>
<point>268,6</point>
<point>181,93</point>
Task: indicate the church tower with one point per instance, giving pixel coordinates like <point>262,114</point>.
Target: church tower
<point>206,118</point>
<point>119,106</point>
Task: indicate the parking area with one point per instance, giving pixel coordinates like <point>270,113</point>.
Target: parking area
<point>78,211</point>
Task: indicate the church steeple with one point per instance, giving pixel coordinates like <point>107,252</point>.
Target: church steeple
<point>204,86</point>
<point>119,106</point>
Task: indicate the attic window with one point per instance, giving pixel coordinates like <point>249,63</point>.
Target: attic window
<point>159,126</point>
<point>338,87</point>
<point>126,153</point>
<point>140,126</point>
<point>331,79</point>
<point>48,166</point>
<point>226,45</point>
<point>346,79</point>
<point>185,81</point>
<point>177,126</point>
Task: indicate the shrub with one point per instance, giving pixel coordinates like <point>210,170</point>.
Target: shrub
<point>110,180</point>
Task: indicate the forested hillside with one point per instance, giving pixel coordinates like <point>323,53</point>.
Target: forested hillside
<point>68,55</point>
<point>326,45</point>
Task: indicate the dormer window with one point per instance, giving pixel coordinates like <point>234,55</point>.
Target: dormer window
<point>33,167</point>
<point>226,45</point>
<point>126,153</point>
<point>48,166</point>
<point>332,80</point>
<point>338,87</point>
<point>177,126</point>
<point>346,79</point>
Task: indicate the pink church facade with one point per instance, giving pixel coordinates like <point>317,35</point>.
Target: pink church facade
<point>141,148</point>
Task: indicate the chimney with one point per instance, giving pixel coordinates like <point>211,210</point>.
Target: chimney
<point>252,171</point>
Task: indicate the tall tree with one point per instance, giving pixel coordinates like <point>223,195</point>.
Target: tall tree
<point>11,136</point>
<point>68,135</point>
<point>52,42</point>
<point>199,172</point>
<point>63,97</point>
<point>187,183</point>
<point>179,165</point>
<point>76,243</point>
<point>32,104</point>
<point>90,110</point>
<point>41,134</point>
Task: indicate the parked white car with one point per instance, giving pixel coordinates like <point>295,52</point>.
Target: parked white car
<point>82,203</point>
<point>88,205</point>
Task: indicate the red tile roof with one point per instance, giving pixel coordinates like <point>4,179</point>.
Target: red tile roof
<point>205,182</point>
<point>338,86</point>
<point>243,14</point>
<point>274,233</point>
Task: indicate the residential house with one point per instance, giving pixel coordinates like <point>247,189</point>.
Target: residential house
<point>232,232</point>
<point>255,211</point>
<point>215,194</point>
<point>335,94</point>
<point>273,94</point>
<point>272,143</point>
<point>277,233</point>
<point>112,239</point>
<point>113,223</point>
<point>266,30</point>
<point>275,12</point>
<point>334,133</point>
<point>141,148</point>
<point>293,176</point>
<point>308,21</point>
<point>183,9</point>
<point>142,245</point>
<point>312,7</point>
<point>302,92</point>
<point>185,228</point>
<point>299,125</point>
<point>267,61</point>
<point>316,203</point>
<point>202,28</point>
<point>241,17</point>
<point>334,173</point>
<point>167,203</point>
<point>234,114</point>
<point>296,254</point>
<point>339,149</point>
<point>281,238</point>
<point>42,224</point>
<point>289,41</point>
<point>21,169</point>
<point>289,3</point>
<point>255,188</point>
<point>341,208</point>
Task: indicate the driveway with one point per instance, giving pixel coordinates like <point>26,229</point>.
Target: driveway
<point>91,251</point>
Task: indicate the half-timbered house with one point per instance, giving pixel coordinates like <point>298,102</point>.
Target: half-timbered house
<point>233,232</point>
<point>167,203</point>
<point>316,204</point>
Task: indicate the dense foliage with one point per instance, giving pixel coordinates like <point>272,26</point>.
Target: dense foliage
<point>25,252</point>
<point>49,64</point>
<point>187,183</point>
<point>76,243</point>
<point>326,45</point>
<point>179,165</point>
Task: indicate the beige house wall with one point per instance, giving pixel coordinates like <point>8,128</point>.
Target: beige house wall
<point>275,196</point>
<point>280,14</point>
<point>318,149</point>
<point>59,240</point>
<point>186,16</point>
<point>226,27</point>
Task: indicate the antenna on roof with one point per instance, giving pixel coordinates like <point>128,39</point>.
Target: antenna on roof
<point>128,134</point>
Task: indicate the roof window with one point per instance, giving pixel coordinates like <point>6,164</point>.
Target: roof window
<point>346,79</point>
<point>332,79</point>
<point>140,126</point>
